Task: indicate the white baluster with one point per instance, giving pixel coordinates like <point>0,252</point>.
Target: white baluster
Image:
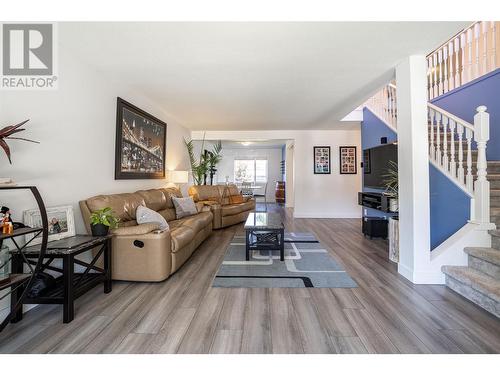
<point>440,71</point>
<point>469,55</point>
<point>482,185</point>
<point>460,170</point>
<point>451,63</point>
<point>438,139</point>
<point>468,178</point>
<point>435,76</point>
<point>485,28</point>
<point>453,164</point>
<point>445,143</point>
<point>432,148</point>
<point>445,67</point>
<point>457,61</point>
<point>475,52</point>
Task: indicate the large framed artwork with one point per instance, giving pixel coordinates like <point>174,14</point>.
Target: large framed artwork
<point>348,160</point>
<point>61,223</point>
<point>322,160</point>
<point>140,143</point>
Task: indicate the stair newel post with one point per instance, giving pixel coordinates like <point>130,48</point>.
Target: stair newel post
<point>453,164</point>
<point>482,185</point>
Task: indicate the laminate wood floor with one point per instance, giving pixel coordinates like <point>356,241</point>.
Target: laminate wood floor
<point>384,314</point>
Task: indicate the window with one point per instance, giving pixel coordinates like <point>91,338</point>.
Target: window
<point>250,170</point>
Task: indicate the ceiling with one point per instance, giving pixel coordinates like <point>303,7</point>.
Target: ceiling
<point>252,76</point>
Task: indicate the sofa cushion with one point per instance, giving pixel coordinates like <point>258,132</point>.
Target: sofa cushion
<point>234,199</point>
<point>123,205</point>
<point>204,193</point>
<point>234,209</point>
<point>169,193</point>
<point>168,214</point>
<point>197,222</point>
<point>184,207</point>
<point>181,235</point>
<point>146,215</point>
<point>155,199</point>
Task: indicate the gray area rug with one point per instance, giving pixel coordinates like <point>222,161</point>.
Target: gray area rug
<point>307,265</point>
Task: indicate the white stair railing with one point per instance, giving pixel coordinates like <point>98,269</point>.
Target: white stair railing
<point>384,105</point>
<point>473,52</point>
<point>450,149</point>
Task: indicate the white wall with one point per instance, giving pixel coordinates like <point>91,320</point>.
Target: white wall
<point>315,196</point>
<point>76,128</point>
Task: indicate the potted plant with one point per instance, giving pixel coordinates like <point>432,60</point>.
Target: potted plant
<point>102,220</point>
<point>392,185</point>
<point>206,163</point>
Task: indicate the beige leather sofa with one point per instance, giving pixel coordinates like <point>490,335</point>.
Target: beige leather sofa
<point>141,252</point>
<point>227,205</point>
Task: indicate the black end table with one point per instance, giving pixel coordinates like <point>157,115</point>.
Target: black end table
<point>265,231</point>
<point>70,285</point>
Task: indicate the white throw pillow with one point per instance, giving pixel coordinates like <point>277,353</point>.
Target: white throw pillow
<point>145,215</point>
<point>184,207</point>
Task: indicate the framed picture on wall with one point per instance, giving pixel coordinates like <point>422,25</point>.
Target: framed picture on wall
<point>140,143</point>
<point>348,160</point>
<point>322,160</point>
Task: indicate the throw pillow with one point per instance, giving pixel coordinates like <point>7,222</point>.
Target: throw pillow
<point>146,215</point>
<point>236,199</point>
<point>184,207</point>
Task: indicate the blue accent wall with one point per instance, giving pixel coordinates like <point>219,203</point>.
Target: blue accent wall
<point>463,101</point>
<point>372,129</point>
<point>450,207</point>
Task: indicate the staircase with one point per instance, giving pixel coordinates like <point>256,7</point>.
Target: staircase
<point>480,280</point>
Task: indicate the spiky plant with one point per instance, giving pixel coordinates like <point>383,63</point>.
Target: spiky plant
<point>6,133</point>
<point>391,181</point>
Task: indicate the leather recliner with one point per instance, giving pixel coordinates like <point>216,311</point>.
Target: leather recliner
<point>225,201</point>
<point>142,252</point>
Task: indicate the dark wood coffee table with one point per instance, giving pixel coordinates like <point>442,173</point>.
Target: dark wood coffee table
<point>265,231</point>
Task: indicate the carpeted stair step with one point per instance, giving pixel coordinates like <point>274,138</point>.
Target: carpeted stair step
<point>485,259</point>
<point>474,285</point>
<point>495,238</point>
<point>494,198</point>
<point>494,180</point>
<point>495,216</point>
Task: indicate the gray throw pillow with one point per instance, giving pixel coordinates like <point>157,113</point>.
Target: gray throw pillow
<point>145,215</point>
<point>184,207</point>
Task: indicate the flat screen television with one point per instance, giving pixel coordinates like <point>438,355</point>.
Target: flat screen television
<point>376,163</point>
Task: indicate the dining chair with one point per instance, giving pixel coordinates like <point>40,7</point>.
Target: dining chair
<point>264,195</point>
<point>246,189</point>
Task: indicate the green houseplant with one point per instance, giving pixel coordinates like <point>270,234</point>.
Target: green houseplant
<point>391,183</point>
<point>102,220</point>
<point>206,162</point>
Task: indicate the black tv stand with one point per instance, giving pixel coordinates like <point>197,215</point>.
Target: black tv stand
<point>377,201</point>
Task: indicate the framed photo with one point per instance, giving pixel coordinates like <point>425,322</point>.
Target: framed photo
<point>61,223</point>
<point>140,143</point>
<point>321,160</point>
<point>348,160</point>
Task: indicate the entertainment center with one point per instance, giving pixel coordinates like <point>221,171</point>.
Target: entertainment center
<point>377,162</point>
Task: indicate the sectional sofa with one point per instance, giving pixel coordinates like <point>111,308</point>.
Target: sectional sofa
<point>143,253</point>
